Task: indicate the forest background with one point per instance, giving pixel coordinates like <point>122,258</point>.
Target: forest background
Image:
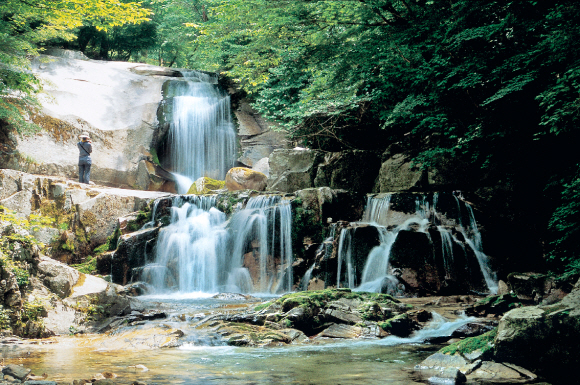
<point>492,85</point>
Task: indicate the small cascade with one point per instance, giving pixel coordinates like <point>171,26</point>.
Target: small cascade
<point>377,210</point>
<point>473,239</point>
<point>376,275</point>
<point>200,251</point>
<point>345,256</point>
<point>202,136</point>
<point>306,279</point>
<point>447,241</point>
<point>266,221</point>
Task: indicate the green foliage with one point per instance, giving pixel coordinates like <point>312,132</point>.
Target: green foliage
<point>26,25</point>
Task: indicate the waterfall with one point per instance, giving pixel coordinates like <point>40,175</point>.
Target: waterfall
<point>263,218</point>
<point>200,251</point>
<point>201,135</point>
<point>446,248</point>
<point>375,275</point>
<point>473,239</point>
<point>377,210</point>
<point>345,256</point>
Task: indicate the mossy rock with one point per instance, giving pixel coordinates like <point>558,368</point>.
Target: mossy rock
<point>205,185</point>
<point>483,343</point>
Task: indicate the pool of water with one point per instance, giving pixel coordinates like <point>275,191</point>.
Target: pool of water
<point>201,360</point>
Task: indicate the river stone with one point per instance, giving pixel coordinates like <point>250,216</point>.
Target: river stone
<point>40,382</point>
<point>16,371</point>
<point>292,170</point>
<point>242,178</point>
<point>550,334</point>
<point>342,316</point>
<point>448,376</point>
<point>498,372</point>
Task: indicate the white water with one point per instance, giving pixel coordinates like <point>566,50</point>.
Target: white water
<point>202,136</point>
<point>201,252</point>
<point>376,275</point>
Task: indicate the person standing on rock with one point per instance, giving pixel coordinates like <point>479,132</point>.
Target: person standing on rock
<point>85,149</point>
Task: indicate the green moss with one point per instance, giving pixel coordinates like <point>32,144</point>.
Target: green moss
<point>89,266</point>
<point>319,298</point>
<point>110,244</point>
<point>483,342</point>
<point>288,323</point>
<point>208,186</point>
<point>262,306</point>
<point>143,217</point>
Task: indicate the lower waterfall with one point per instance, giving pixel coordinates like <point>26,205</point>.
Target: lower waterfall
<point>201,251</point>
<point>377,274</point>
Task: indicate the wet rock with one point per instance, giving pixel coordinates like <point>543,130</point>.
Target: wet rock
<point>471,329</point>
<point>16,371</point>
<point>104,381</point>
<point>448,376</point>
<point>242,178</point>
<point>342,316</point>
<point>40,382</point>
<point>328,204</point>
<point>400,326</point>
<point>134,250</point>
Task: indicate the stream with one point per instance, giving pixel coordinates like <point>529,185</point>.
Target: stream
<point>201,359</point>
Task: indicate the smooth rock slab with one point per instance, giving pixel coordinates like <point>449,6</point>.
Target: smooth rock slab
<point>341,331</point>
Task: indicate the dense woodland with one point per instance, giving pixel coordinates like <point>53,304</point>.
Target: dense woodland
<point>493,85</point>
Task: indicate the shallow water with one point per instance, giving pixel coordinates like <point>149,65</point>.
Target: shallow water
<point>326,361</point>
<point>329,364</point>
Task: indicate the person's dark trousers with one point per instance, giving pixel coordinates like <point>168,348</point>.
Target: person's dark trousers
<point>84,171</point>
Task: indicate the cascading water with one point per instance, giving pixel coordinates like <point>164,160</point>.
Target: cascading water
<point>375,275</point>
<point>473,239</point>
<point>202,136</point>
<point>200,251</point>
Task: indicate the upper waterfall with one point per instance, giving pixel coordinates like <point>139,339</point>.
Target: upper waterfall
<point>202,137</point>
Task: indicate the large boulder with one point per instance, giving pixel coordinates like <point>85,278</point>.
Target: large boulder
<point>550,335</point>
<point>292,170</point>
<point>352,170</point>
<point>115,105</point>
<point>399,173</point>
<point>242,178</point>
<point>58,277</point>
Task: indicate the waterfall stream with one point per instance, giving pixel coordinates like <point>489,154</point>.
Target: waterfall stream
<point>202,136</point>
<point>201,251</point>
<point>376,275</point>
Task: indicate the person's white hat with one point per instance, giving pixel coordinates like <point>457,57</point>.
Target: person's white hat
<point>84,135</point>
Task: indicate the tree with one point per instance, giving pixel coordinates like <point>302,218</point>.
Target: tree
<point>26,24</point>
